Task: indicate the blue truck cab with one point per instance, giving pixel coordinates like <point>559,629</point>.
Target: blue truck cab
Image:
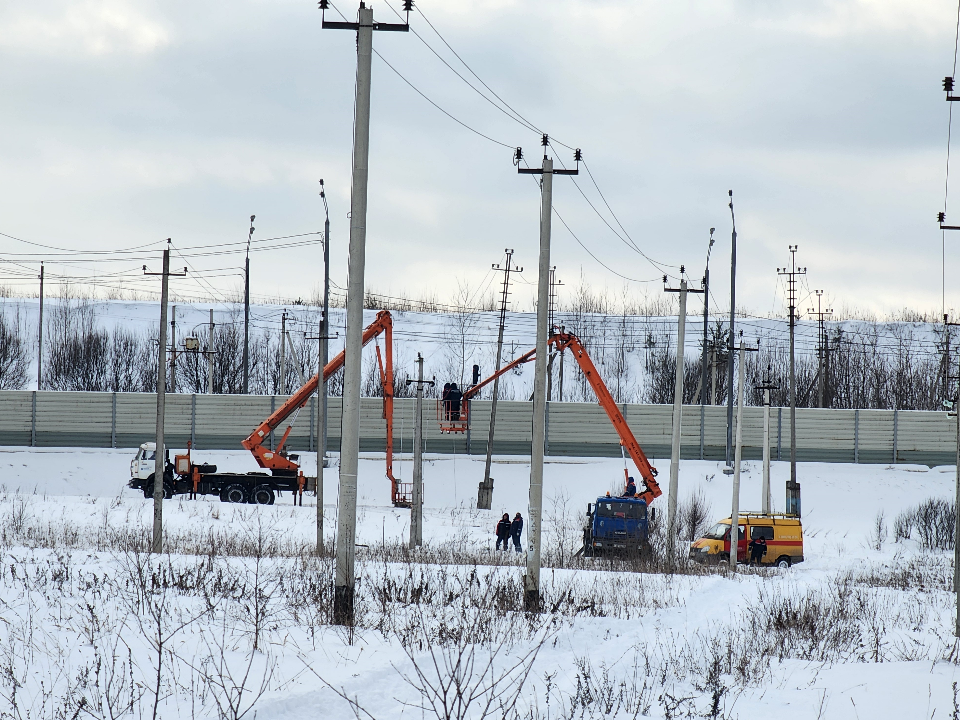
<point>615,525</point>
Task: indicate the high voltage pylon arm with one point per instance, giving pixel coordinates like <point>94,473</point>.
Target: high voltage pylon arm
<point>569,341</point>
<point>275,460</point>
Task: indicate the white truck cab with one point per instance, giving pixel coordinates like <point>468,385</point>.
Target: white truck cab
<point>143,465</point>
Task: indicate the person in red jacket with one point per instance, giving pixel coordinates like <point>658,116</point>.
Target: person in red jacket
<point>503,532</point>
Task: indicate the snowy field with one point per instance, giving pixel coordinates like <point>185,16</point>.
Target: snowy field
<point>235,622</point>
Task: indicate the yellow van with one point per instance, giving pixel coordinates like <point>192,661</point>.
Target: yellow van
<point>783,533</point>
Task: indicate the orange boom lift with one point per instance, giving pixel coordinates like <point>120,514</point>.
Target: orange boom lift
<point>568,341</point>
<point>278,462</point>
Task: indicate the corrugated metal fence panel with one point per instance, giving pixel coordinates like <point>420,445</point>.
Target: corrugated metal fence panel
<point>16,412</point>
<point>222,421</point>
<point>74,419</point>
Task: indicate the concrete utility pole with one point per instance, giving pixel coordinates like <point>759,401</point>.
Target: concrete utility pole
<point>703,350</point>
<point>735,510</point>
<point>765,499</point>
<point>733,306</point>
<point>40,336</point>
<point>677,417</point>
<point>416,509</point>
<point>283,354</point>
<point>793,487</point>
<point>485,491</point>
<point>173,349</point>
<point>956,526</point>
<point>158,467</point>
<point>345,581</point>
<point>531,585</point>
<point>822,366</point>
<point>210,355</point>
<point>324,333</point>
<point>246,312</point>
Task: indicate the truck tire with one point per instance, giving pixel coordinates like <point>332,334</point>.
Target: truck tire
<point>234,493</point>
<point>783,561</point>
<point>148,489</point>
<point>262,495</point>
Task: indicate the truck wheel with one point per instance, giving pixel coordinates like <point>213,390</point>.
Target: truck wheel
<point>783,561</point>
<point>148,489</point>
<point>235,493</point>
<point>262,495</point>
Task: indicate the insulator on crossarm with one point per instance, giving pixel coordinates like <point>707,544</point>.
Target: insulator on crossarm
<point>324,4</point>
<point>545,140</point>
<point>408,5</point>
<point>948,84</point>
<point>577,155</point>
<point>941,217</point>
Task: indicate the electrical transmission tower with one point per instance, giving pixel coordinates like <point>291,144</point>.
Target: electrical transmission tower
<point>485,491</point>
<point>793,487</point>
<point>823,359</point>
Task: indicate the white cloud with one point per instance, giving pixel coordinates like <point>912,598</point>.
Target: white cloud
<point>88,27</point>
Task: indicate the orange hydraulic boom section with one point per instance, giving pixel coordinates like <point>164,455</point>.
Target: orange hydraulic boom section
<point>568,341</point>
<point>277,461</point>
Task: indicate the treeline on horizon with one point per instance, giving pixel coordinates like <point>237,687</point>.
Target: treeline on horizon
<point>882,365</point>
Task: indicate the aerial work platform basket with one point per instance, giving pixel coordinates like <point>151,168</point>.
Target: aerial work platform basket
<point>453,416</point>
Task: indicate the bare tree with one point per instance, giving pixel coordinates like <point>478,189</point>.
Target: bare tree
<point>14,354</point>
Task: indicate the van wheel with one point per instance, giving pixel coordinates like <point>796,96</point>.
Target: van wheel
<point>723,558</point>
<point>262,495</point>
<point>783,561</point>
<point>234,493</point>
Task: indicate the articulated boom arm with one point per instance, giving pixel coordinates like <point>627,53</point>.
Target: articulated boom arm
<point>273,459</point>
<point>564,341</point>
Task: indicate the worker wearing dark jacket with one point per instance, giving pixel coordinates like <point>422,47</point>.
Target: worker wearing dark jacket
<point>516,529</point>
<point>503,532</point>
<point>631,488</point>
<point>758,548</point>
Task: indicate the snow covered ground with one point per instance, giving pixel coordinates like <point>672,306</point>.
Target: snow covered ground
<point>853,632</point>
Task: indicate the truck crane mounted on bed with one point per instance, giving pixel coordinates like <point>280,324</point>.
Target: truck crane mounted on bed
<point>184,476</point>
<point>613,524</point>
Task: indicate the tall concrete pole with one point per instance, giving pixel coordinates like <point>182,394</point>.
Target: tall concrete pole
<point>173,349</point>
<point>733,307</point>
<point>485,493</point>
<point>677,418</point>
<point>324,337</point>
<point>158,466</point>
<point>735,511</point>
<point>283,354</point>
<point>956,527</point>
<point>40,336</point>
<point>765,488</point>
<point>344,581</point>
<point>210,355</point>
<point>531,585</point>
<point>246,312</point>
<point>703,350</point>
<point>416,509</point>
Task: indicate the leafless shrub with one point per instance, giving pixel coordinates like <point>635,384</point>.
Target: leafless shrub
<point>694,516</point>
<point>458,678</point>
<point>933,520</point>
<point>878,534</point>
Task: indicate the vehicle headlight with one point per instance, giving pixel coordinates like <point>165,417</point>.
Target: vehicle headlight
<point>705,549</point>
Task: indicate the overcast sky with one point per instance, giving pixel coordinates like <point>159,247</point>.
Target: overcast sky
<point>128,122</point>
